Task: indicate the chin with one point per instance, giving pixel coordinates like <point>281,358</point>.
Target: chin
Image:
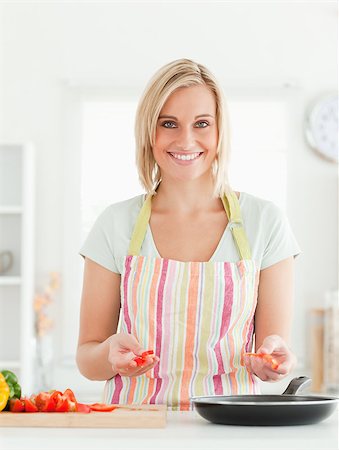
<point>188,177</point>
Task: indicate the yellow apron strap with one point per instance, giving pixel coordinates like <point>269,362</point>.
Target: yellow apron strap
<point>232,208</point>
<point>140,227</point>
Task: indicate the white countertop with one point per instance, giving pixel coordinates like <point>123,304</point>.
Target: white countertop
<point>184,430</point>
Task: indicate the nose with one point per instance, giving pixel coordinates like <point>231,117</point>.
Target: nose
<point>185,138</point>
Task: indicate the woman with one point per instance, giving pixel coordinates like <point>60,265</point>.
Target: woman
<point>191,269</point>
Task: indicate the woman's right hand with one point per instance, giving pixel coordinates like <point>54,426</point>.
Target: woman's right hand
<point>123,348</point>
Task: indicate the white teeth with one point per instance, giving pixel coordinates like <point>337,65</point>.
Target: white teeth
<point>185,157</point>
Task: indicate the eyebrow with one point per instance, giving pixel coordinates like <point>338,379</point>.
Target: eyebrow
<point>175,118</point>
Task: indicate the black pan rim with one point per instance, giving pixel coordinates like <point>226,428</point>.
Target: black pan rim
<point>207,400</point>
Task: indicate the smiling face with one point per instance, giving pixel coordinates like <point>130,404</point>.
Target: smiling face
<point>186,134</point>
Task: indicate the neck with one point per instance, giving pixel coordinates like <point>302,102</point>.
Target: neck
<point>185,197</point>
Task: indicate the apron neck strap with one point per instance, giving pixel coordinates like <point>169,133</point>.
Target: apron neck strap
<point>232,208</point>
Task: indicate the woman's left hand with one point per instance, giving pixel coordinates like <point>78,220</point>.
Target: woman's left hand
<point>276,347</point>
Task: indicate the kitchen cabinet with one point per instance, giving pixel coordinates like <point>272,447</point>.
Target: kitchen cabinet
<point>17,261</point>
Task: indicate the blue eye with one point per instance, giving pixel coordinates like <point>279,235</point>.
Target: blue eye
<point>164,123</point>
<point>202,121</point>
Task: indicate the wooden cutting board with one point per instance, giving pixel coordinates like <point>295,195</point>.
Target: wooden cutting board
<point>125,416</point>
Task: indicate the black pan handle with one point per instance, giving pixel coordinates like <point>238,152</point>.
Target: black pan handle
<point>297,384</point>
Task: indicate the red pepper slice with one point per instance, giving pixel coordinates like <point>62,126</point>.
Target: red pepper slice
<point>140,361</point>
<point>82,408</point>
<point>272,361</point>
<point>16,405</point>
<point>29,405</point>
<point>62,404</point>
<point>70,394</point>
<point>58,402</point>
<point>72,402</point>
<point>147,352</point>
<point>102,407</point>
<point>45,402</point>
<point>56,395</point>
<point>267,358</point>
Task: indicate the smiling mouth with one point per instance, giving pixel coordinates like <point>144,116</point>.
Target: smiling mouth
<point>187,157</point>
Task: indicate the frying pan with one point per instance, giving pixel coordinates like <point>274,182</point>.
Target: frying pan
<point>285,409</point>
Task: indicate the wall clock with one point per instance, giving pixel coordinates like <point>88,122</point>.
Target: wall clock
<point>321,127</point>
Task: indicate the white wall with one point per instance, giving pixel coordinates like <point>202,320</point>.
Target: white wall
<point>254,44</point>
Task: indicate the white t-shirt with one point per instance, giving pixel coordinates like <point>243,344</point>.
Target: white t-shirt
<point>266,225</point>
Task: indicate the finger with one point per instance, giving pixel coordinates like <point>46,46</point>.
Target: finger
<point>147,368</point>
<point>132,369</point>
<point>274,376</point>
<point>266,374</point>
<point>135,368</point>
<point>143,369</point>
<point>129,342</point>
<point>125,371</point>
<point>123,363</point>
<point>261,369</point>
<point>271,343</point>
<point>283,368</point>
<point>149,361</point>
<point>247,363</point>
<point>133,364</point>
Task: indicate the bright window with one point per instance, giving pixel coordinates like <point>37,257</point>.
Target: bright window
<point>108,172</point>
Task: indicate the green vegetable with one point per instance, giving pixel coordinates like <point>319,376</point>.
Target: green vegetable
<point>13,383</point>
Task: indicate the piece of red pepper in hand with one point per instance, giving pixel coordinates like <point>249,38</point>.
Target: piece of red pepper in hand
<point>147,352</point>
<point>266,357</point>
<point>141,360</point>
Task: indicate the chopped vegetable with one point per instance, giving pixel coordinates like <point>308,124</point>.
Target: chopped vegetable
<point>82,408</point>
<point>45,402</point>
<point>30,405</point>
<point>72,402</point>
<point>147,352</point>
<point>55,401</point>
<point>61,402</point>
<point>266,357</point>
<point>141,360</point>
<point>51,401</point>
<point>16,405</point>
<point>102,407</point>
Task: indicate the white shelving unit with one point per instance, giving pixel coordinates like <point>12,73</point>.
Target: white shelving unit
<point>17,348</point>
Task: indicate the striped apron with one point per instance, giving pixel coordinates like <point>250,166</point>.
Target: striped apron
<point>198,317</point>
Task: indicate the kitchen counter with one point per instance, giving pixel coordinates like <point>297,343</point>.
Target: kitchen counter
<point>184,430</point>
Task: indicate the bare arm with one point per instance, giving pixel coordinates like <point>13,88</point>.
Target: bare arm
<point>99,315</point>
<point>102,353</point>
<point>273,319</point>
<point>275,302</point>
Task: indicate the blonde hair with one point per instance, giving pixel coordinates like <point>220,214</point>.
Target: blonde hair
<point>174,75</point>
